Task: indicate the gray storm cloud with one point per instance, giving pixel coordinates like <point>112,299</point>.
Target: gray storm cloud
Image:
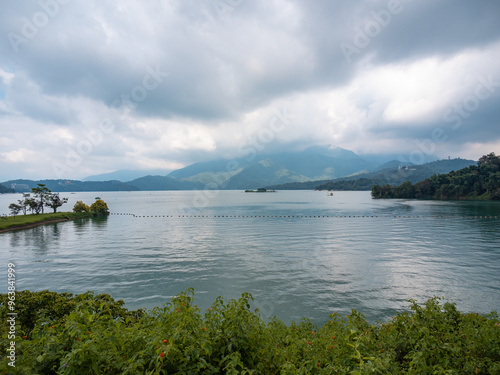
<point>182,81</point>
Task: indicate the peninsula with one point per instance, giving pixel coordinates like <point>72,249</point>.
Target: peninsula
<point>476,182</point>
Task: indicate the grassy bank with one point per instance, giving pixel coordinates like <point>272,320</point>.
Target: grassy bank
<point>87,334</point>
<point>28,221</point>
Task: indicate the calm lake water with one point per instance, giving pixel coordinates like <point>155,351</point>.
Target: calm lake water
<point>293,266</point>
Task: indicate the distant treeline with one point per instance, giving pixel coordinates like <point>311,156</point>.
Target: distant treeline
<point>351,185</point>
<point>4,190</point>
<point>481,181</point>
<point>22,186</point>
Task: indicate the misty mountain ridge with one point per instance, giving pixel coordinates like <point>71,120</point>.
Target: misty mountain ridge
<point>313,163</point>
<point>312,166</point>
<point>392,173</point>
<point>25,186</point>
<point>125,175</point>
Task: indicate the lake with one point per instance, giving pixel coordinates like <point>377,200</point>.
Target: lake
<point>299,253</point>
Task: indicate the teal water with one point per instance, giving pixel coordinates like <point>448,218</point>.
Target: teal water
<point>293,266</point>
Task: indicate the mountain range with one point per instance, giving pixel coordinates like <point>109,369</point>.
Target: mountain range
<point>304,169</point>
<point>125,175</point>
<point>391,173</point>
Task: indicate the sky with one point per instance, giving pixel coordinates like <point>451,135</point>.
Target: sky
<point>94,86</point>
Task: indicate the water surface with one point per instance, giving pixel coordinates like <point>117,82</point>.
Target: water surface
<point>305,265</point>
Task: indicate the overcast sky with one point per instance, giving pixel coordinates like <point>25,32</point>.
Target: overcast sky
<point>93,86</point>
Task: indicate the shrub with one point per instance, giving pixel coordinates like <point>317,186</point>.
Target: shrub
<point>81,207</point>
<point>99,207</point>
<point>87,334</point>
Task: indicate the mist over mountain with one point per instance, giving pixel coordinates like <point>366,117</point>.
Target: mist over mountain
<point>314,163</point>
<point>151,183</point>
<point>23,186</point>
<point>392,173</point>
<point>125,175</point>
<point>304,169</point>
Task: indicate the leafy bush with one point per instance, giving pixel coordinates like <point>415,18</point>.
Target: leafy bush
<point>87,334</point>
<point>99,207</point>
<point>81,207</point>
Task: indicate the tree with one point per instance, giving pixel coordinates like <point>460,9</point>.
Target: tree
<point>23,203</point>
<point>54,201</point>
<point>473,182</point>
<point>376,191</point>
<point>405,190</point>
<point>424,189</point>
<point>81,207</point>
<point>34,206</point>
<point>99,207</point>
<point>42,193</point>
<point>491,158</point>
<point>15,208</point>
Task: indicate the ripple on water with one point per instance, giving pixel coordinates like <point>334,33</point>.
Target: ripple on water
<point>294,267</point>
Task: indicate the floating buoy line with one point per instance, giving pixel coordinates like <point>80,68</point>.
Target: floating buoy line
<point>309,216</point>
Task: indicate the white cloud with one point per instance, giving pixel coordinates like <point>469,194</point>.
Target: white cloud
<point>228,77</point>
<point>21,155</point>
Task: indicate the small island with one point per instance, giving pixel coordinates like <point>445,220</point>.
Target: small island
<point>260,190</point>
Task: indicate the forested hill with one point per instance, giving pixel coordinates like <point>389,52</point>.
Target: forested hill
<point>4,190</point>
<point>393,175</point>
<point>481,181</point>
<point>22,186</point>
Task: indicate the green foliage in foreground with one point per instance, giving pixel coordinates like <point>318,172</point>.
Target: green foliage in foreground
<point>87,334</point>
<point>23,220</point>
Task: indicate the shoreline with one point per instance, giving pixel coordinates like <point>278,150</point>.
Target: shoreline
<point>21,222</point>
<point>33,225</point>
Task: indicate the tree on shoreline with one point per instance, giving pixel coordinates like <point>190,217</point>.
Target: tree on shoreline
<point>15,209</point>
<point>80,207</point>
<point>99,207</point>
<point>42,197</point>
<point>34,205</point>
<point>54,201</point>
<point>23,204</point>
<point>42,193</point>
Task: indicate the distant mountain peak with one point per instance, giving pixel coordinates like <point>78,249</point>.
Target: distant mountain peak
<point>266,162</point>
<point>332,152</point>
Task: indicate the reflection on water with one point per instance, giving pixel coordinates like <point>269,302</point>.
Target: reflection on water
<point>294,267</point>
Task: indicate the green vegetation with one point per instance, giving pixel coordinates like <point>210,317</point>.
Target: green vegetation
<point>80,210</point>
<point>392,173</point>
<point>11,222</point>
<point>395,175</point>
<point>42,196</point>
<point>99,207</point>
<point>81,207</point>
<point>481,181</point>
<point>87,334</point>
<point>349,185</point>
